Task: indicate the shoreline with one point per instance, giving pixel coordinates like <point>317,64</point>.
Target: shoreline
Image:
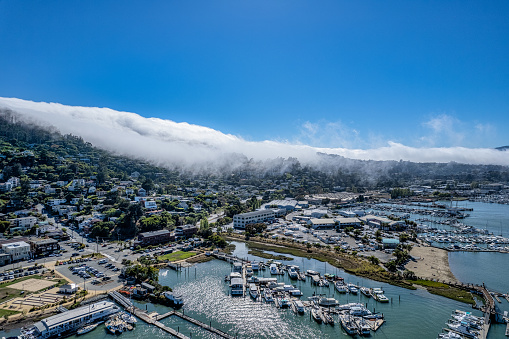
<point>431,263</point>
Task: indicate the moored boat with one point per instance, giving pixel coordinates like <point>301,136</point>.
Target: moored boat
<point>87,328</point>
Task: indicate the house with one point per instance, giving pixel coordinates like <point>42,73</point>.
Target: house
<point>142,192</point>
<point>68,289</point>
<point>22,224</point>
<point>241,220</point>
<point>150,205</point>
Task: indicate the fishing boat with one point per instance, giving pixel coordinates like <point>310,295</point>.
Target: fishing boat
<point>87,328</point>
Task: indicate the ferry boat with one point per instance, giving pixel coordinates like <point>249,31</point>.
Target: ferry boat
<point>253,291</point>
<point>175,299</point>
<point>87,328</point>
<point>274,269</point>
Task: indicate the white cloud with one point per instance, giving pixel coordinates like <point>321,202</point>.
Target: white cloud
<point>168,143</point>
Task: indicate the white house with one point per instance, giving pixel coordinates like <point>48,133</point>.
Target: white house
<point>68,289</point>
<point>150,205</point>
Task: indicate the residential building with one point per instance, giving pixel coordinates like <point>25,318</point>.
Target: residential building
<point>186,231</point>
<point>22,224</point>
<point>241,220</point>
<point>17,250</point>
<point>150,205</point>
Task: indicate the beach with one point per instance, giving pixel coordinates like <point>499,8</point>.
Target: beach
<point>431,263</point>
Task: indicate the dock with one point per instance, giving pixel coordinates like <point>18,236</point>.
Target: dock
<point>154,319</point>
<point>496,298</point>
<point>507,329</point>
<point>375,324</point>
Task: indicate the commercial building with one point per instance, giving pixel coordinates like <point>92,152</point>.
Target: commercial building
<point>349,222</point>
<point>322,224</point>
<point>17,250</point>
<point>43,247</point>
<point>241,220</point>
<point>69,321</point>
<point>155,237</point>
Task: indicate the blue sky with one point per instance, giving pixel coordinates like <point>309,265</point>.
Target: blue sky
<point>353,74</point>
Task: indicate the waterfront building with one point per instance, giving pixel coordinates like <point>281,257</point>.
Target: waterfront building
<point>71,320</point>
<point>241,220</point>
<point>186,231</point>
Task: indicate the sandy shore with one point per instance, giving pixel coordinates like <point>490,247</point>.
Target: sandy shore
<point>432,263</point>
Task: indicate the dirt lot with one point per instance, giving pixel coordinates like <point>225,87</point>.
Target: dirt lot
<point>32,285</point>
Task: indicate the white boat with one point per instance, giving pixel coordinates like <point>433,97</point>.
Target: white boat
<point>255,265</point>
<point>327,302</point>
<point>128,318</point>
<point>175,299</point>
<point>292,273</point>
<point>298,306</point>
<point>352,288</point>
<point>315,313</point>
<point>87,329</point>
<point>267,295</point>
<point>340,287</point>
<point>295,292</point>
<point>348,324</point>
<point>274,269</point>
<point>464,330</point>
<point>380,297</point>
<point>311,272</point>
<point>366,291</point>
<point>283,303</point>
<point>253,291</point>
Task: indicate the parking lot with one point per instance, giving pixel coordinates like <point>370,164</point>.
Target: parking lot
<point>96,275</point>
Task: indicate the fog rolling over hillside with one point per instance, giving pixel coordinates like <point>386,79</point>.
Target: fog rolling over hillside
<point>198,148</point>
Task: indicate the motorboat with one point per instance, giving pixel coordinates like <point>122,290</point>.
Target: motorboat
<point>283,303</point>
<point>255,265</point>
<point>352,288</point>
<point>253,291</point>
<point>463,329</point>
<point>292,273</point>
<point>380,297</point>
<point>327,302</point>
<point>87,328</point>
<point>128,318</point>
<point>315,313</point>
<point>311,272</point>
<point>340,287</point>
<point>348,324</point>
<point>366,291</point>
<point>267,295</point>
<point>274,269</point>
<point>298,306</point>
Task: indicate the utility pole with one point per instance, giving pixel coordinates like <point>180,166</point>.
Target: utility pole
<point>97,244</point>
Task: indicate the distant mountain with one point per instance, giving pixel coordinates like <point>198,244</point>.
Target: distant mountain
<point>502,148</point>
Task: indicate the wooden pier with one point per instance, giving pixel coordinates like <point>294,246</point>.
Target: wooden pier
<point>154,320</point>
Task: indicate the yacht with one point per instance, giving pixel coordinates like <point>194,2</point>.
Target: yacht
<point>253,291</point>
<point>274,269</point>
<point>327,302</point>
<point>292,273</point>
<point>352,288</point>
<point>348,324</point>
<point>267,295</point>
<point>366,291</point>
<point>175,299</point>
<point>298,306</point>
<point>463,329</point>
<point>340,287</point>
<point>315,313</point>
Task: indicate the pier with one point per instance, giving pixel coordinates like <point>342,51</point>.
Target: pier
<point>154,320</point>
